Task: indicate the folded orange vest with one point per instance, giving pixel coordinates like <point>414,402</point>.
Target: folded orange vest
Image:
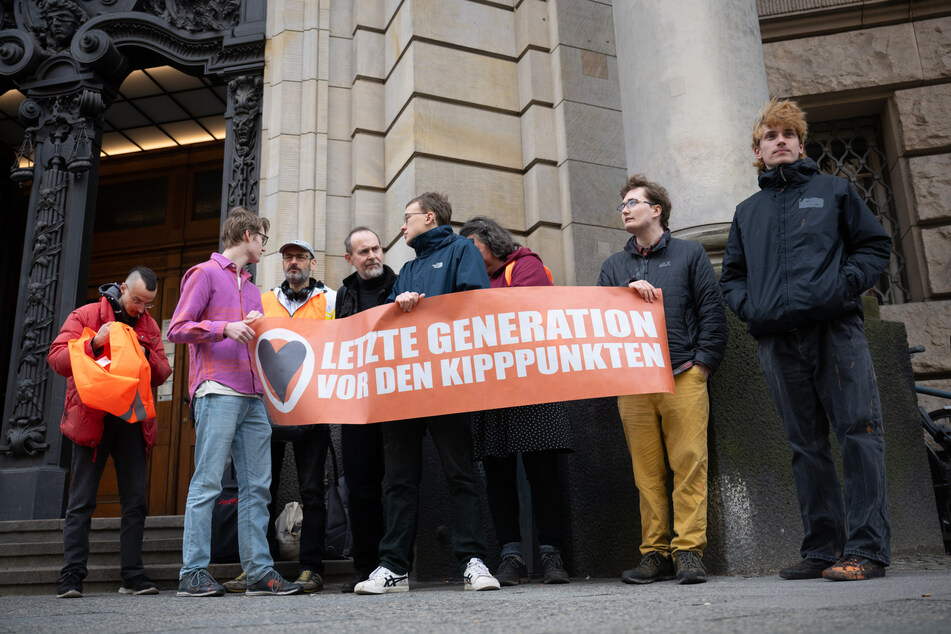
<point>122,385</point>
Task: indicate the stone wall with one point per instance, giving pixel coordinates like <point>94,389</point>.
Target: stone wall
<point>511,108</point>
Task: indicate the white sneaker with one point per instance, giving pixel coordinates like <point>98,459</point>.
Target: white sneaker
<point>478,577</point>
<point>381,581</point>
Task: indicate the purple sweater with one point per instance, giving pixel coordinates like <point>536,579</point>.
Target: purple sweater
<point>210,300</point>
<point>528,270</point>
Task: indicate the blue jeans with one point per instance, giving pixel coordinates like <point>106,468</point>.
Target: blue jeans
<point>822,374</point>
<point>236,425</point>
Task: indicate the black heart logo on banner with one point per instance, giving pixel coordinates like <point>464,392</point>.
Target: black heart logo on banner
<point>280,366</point>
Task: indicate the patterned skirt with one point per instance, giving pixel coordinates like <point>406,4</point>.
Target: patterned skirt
<point>509,430</point>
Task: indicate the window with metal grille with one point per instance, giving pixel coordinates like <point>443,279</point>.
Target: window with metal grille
<point>852,149</point>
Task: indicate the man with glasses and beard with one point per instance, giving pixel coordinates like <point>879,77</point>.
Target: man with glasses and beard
<point>302,297</point>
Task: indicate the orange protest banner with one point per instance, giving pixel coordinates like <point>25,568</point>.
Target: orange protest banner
<point>463,352</point>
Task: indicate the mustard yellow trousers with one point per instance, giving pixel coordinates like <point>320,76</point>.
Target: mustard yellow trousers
<point>674,425</point>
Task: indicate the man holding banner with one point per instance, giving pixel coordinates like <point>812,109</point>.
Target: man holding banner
<point>367,287</point>
<point>96,435</point>
<point>671,426</point>
<point>445,263</point>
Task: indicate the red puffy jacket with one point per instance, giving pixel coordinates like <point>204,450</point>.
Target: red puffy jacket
<point>81,424</point>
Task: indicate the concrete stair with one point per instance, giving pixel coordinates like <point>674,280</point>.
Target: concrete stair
<point>31,556</point>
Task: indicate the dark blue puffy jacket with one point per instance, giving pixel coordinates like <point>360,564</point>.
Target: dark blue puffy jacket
<point>801,251</point>
<point>445,263</point>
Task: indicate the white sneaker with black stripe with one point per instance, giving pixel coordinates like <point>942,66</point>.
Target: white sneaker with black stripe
<point>383,581</point>
<point>478,577</point>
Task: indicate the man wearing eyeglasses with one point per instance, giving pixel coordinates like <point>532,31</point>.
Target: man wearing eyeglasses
<point>302,297</point>
<point>96,435</point>
<point>445,263</point>
<point>671,427</point>
<point>214,315</point>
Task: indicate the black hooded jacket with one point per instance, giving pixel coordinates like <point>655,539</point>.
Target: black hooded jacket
<point>801,251</point>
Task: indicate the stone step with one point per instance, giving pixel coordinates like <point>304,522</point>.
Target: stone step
<point>31,556</point>
<point>106,578</point>
<point>25,531</point>
<point>105,552</point>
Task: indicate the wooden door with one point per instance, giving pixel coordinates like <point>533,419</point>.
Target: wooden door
<point>160,210</point>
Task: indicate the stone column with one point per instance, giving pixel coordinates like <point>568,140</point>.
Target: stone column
<point>692,79</point>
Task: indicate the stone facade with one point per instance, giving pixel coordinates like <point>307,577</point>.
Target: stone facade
<point>517,109</point>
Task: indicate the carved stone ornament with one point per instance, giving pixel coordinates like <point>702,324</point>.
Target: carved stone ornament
<point>58,22</point>
<point>244,94</point>
<point>196,15</point>
<point>63,125</point>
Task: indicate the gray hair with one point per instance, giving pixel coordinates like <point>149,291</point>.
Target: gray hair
<point>348,241</point>
<point>492,234</point>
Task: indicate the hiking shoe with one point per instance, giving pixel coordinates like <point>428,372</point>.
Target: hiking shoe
<point>854,568</point>
<point>238,584</point>
<point>478,577</point>
<point>512,571</point>
<point>273,584</point>
<point>139,584</point>
<point>382,581</point>
<point>653,567</point>
<point>689,567</point>
<point>69,586</point>
<point>553,570</point>
<point>808,568</point>
<point>200,583</point>
<point>309,581</point>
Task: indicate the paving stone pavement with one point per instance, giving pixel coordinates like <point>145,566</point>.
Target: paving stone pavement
<point>915,596</point>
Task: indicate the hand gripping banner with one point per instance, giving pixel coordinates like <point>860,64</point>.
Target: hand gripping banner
<point>462,352</point>
<point>119,382</point>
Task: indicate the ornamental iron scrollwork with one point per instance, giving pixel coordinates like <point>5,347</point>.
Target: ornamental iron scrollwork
<point>244,109</point>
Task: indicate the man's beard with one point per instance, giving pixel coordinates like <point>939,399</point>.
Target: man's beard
<point>372,271</point>
<point>295,277</point>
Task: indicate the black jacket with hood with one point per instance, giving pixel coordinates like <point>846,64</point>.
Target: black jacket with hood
<point>801,251</point>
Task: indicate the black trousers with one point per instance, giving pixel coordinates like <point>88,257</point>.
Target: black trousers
<point>363,469</point>
<point>822,374</point>
<point>402,447</point>
<point>310,454</point>
<point>541,469</point>
<point>124,442</point>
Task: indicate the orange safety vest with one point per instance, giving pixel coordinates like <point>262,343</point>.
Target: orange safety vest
<point>314,308</point>
<point>122,385</point>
